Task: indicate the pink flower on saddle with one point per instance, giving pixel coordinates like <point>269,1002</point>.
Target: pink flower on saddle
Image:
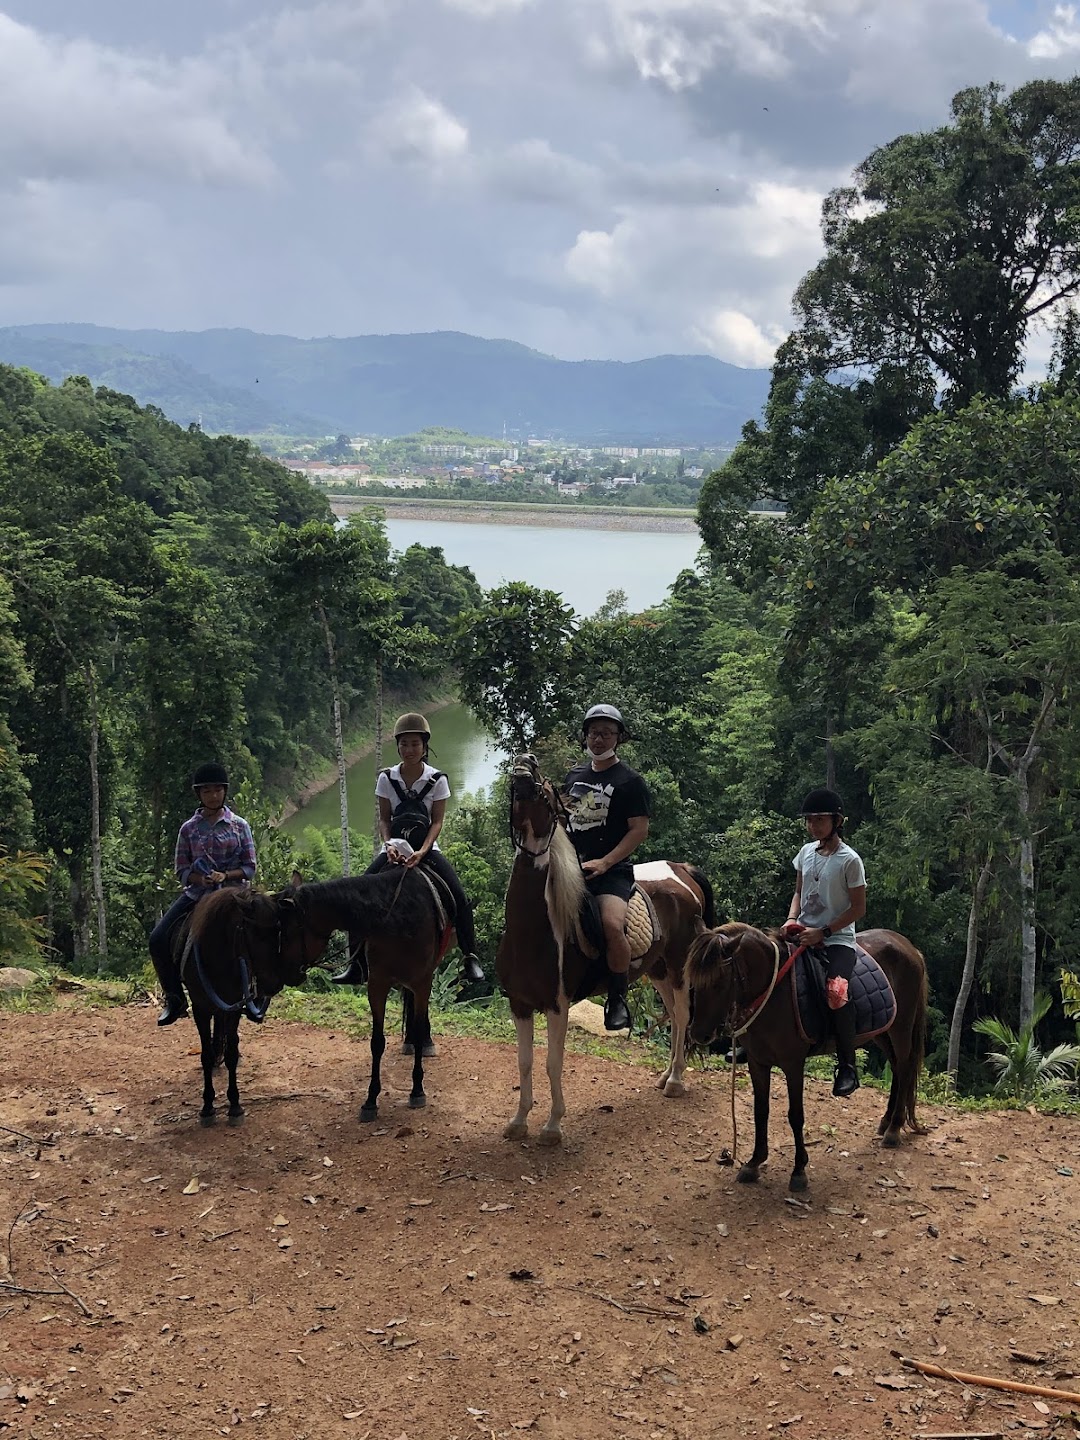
<point>836,992</point>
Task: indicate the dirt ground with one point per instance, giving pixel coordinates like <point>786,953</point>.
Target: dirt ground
<point>304,1276</point>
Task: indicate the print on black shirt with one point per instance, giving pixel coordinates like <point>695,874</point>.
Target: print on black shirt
<point>601,805</point>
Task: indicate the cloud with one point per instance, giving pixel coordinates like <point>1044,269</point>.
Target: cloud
<point>73,109</point>
<point>416,129</point>
<point>733,336</point>
<point>1060,38</point>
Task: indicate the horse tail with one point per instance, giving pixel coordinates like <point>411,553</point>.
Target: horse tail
<point>909,1089</point>
<point>703,958</point>
<point>701,880</point>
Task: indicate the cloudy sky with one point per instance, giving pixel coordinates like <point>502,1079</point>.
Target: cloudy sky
<point>596,178</point>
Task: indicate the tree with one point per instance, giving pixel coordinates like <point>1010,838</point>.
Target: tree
<point>513,655</point>
<point>949,243</point>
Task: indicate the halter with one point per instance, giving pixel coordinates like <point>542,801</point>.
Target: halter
<point>528,768</point>
<point>755,1007</point>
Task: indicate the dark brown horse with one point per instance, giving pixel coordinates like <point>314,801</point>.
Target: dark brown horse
<point>544,962</point>
<point>733,972</point>
<point>250,943</point>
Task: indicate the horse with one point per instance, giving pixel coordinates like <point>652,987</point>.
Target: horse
<point>544,964</point>
<point>733,971</point>
<point>264,942</point>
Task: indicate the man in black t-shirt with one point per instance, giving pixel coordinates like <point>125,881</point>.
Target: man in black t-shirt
<point>609,818</point>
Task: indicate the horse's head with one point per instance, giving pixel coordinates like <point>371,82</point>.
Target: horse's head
<point>535,807</point>
<point>300,946</point>
<point>727,970</point>
<point>234,928</point>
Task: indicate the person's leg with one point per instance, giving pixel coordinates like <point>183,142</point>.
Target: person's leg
<point>160,945</point>
<point>471,968</point>
<point>838,973</point>
<point>356,971</point>
<point>613,910</point>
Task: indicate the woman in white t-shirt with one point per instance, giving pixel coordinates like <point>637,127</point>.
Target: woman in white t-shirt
<point>412,806</point>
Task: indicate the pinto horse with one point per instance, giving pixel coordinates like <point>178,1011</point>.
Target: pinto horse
<point>254,942</point>
<point>544,963</point>
<point>733,971</point>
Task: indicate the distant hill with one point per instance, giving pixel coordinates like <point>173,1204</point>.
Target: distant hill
<point>397,384</point>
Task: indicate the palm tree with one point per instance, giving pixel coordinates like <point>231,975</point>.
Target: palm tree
<point>1023,1071</point>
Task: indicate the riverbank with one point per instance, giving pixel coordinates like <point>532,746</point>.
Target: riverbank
<point>555,517</point>
<point>359,747</point>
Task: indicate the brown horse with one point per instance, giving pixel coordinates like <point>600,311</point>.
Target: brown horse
<point>733,971</point>
<point>544,963</point>
<point>251,942</point>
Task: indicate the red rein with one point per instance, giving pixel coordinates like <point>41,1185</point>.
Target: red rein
<point>783,970</point>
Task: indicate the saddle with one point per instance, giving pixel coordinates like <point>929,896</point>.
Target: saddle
<point>445,909</point>
<point>870,991</point>
<point>642,925</point>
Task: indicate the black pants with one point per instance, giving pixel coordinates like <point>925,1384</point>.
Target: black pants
<point>463,922</point>
<point>161,943</point>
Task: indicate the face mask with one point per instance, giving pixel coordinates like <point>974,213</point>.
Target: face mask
<point>606,755</point>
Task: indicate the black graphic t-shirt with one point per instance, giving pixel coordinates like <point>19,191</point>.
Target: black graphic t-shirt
<point>601,805</point>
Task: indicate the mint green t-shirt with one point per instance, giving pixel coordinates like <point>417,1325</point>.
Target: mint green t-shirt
<point>827,883</point>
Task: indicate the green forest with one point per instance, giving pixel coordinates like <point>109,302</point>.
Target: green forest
<point>910,633</point>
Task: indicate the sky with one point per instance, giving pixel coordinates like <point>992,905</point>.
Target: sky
<point>602,179</point>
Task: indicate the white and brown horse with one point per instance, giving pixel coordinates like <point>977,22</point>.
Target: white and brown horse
<point>544,963</point>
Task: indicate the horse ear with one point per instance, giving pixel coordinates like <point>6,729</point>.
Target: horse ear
<point>296,880</point>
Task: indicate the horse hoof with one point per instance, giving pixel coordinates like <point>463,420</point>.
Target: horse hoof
<point>798,1181</point>
<point>417,1102</point>
<point>516,1130</point>
<point>207,1120</point>
<point>236,1117</point>
<point>891,1139</point>
<point>676,1090</point>
<point>663,1080</point>
<point>748,1175</point>
<point>550,1137</point>
<point>369,1113</point>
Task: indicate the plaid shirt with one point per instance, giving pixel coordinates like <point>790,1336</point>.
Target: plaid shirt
<point>227,844</point>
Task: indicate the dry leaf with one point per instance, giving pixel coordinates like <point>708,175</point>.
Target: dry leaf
<point>895,1382</point>
<point>1045,1299</point>
<point>1041,1406</point>
<point>192,1187</point>
<point>420,1202</point>
<point>352,1414</point>
<point>491,1209</point>
<point>280,1220</point>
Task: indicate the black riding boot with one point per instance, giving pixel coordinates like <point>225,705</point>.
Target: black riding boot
<point>175,1007</point>
<point>356,972</point>
<point>471,969</point>
<point>847,1076</point>
<point>616,1010</point>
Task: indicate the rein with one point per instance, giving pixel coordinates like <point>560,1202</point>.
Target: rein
<point>755,1008</point>
<point>248,986</point>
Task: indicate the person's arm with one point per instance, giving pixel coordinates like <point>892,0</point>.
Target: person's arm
<point>438,814</point>
<point>244,869</point>
<point>855,911</point>
<point>637,830</point>
<point>796,902</point>
<point>385,816</point>
<point>184,859</point>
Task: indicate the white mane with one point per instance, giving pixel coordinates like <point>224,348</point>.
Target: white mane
<point>565,888</point>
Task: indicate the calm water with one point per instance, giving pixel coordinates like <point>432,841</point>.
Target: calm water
<point>583,565</point>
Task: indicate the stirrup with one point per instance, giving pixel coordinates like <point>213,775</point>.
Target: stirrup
<point>355,973</point>
<point>175,1008</point>
<point>472,972</point>
<point>846,1081</point>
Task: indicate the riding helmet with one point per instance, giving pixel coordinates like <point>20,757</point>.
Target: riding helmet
<point>604,712</point>
<point>210,774</point>
<point>822,802</point>
<point>412,724</point>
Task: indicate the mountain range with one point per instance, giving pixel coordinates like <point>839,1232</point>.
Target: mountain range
<point>246,383</point>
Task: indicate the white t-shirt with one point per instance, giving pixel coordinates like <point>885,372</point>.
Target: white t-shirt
<point>827,883</point>
<point>439,791</point>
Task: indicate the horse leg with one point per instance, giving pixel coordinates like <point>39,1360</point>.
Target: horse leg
<point>677,1004</point>
<point>421,1035</point>
<point>797,1119</point>
<point>760,1075</point>
<point>557,1021</point>
<point>519,1125</point>
<point>204,1021</point>
<point>378,989</point>
<point>219,1041</point>
<point>232,1058</point>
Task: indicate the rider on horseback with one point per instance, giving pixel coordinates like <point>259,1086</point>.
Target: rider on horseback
<point>412,805</point>
<point>214,848</point>
<point>830,895</point>
<point>608,807</point>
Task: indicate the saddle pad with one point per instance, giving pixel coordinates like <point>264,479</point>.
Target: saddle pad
<point>642,927</point>
<point>875,1003</point>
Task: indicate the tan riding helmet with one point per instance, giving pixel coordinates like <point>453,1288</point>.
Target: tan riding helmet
<point>411,724</point>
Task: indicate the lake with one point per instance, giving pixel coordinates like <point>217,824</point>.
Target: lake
<point>582,565</point>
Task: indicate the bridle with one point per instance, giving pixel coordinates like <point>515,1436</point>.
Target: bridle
<point>527,768</point>
<point>249,988</point>
<point>752,1009</point>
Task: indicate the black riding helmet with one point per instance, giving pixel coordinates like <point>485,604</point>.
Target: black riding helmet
<point>825,802</point>
<point>604,712</point>
<point>209,774</point>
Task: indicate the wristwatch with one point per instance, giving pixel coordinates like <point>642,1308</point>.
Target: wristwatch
<point>826,931</point>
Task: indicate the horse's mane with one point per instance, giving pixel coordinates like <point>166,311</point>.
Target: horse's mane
<point>565,888</point>
<point>393,900</point>
<point>214,912</point>
<point>708,951</point>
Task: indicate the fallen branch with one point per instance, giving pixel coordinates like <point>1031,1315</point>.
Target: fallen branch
<point>991,1382</point>
<point>12,1287</point>
<point>626,1309</point>
<point>963,1435</point>
<point>34,1140</point>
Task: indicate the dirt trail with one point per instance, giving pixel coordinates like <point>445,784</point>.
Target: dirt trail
<point>423,1277</point>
